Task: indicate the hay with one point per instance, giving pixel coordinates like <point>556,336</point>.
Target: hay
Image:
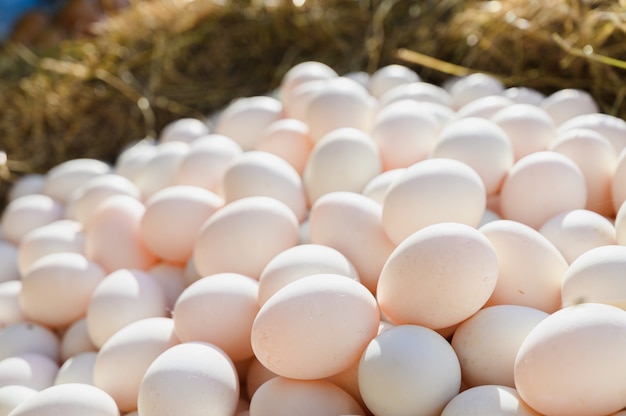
<point>165,59</point>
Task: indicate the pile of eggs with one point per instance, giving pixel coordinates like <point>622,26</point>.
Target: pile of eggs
<point>347,245</point>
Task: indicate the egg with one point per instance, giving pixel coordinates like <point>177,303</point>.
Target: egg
<point>530,267</point>
<point>345,159</point>
<point>488,341</point>
<point>8,259</point>
<point>172,280</point>
<point>300,99</point>
<point>65,177</point>
<point>189,379</point>
<point>378,186</point>
<point>125,357</point>
<point>338,219</point>
<point>419,91</point>
<point>76,340</point>
<point>483,107</point>
<point>289,139</point>
<point>255,228</point>
<point>315,327</point>
<point>134,157</point>
<point>471,87</point>
<point>256,375</point>
<point>540,186</point>
<point>432,191</point>
<point>388,77</point>
<point>568,103</point>
<point>28,184</point>
<point>184,129</point>
<point>488,400</point>
<point>301,73</point>
<point>10,310</point>
<point>611,127</point>
<point>281,396</point>
<point>32,370</point>
<point>524,95</point>
<point>28,337</point>
<point>414,284</point>
<point>586,339</point>
<point>408,369</point>
<point>27,213</point>
<point>77,369</point>
<point>12,396</point>
<point>159,170</point>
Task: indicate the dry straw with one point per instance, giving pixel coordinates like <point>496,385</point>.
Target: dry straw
<point>165,59</point>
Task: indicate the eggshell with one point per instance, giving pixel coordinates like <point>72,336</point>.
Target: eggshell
<point>12,396</point>
<point>258,173</point>
<point>244,118</point>
<point>281,396</point>
<point>125,357</point>
<point>63,236</point>
<point>28,184</point>
<point>159,171</point>
<point>345,159</point>
<point>134,157</point>
<point>71,399</point>
<point>28,337</point>
<point>571,362</point>
<point>32,370</point>
<point>122,297</point>
<point>611,127</point>
<point>483,107</point>
<point>71,277</point>
<point>8,259</point>
<point>482,145</point>
<point>524,95</point>
<point>338,219</point>
<point>433,191</point>
<point>26,213</point>
<point>301,97</point>
<point>289,139</point>
<point>471,87</point>
<point>388,77</point>
<point>114,239</point>
<point>618,183</point>
<point>595,157</point>
<point>206,162</point>
<point>530,267</point>
<point>165,232</point>
<point>575,232</point>
<point>488,400</point>
<point>171,278</point>
<point>219,309</point>
<point>420,91</point>
<point>488,341</point>
<point>568,103</point>
<point>185,129</point>
<point>404,134</point>
<point>65,177</point>
<point>338,103</point>
<point>378,186</point>
<point>256,376</point>
<point>529,128</point>
<point>76,340</point>
<point>300,261</point>
<point>315,327</point>
<point>540,186</point>
<point>77,369</point>
<point>10,310</point>
<point>300,74</point>
<point>189,379</point>
<point>414,285</point>
<point>254,228</point>
<point>408,369</point>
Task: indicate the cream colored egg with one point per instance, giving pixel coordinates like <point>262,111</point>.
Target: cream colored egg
<point>71,399</point>
<point>133,158</point>
<point>388,77</point>
<point>169,235</point>
<point>618,183</point>
<point>256,376</point>
<point>482,145</point>
<point>258,173</point>
<point>10,310</point>
<point>568,103</point>
<point>281,396</point>
<point>377,187</point>
<point>32,370</point>
<point>575,232</point>
<point>524,95</point>
<point>114,240</point>
<point>339,103</point>
<point>571,362</point>
<point>300,261</point>
<point>361,77</point>
<point>289,139</point>
<point>184,129</point>
<point>488,400</point>
<point>254,228</point>
<point>76,340</point>
<point>339,219</point>
<point>12,396</point>
<point>171,278</point>
<point>77,369</point>
<point>540,186</point>
<point>206,162</point>
<point>471,87</point>
<point>26,213</point>
<point>417,91</point>
<point>63,236</point>
<point>8,260</point>
<point>57,288</point>
<point>433,191</point>
<point>529,128</point>
<point>219,309</point>
<point>597,160</point>
<point>123,360</point>
<point>484,107</point>
<point>65,177</point>
<point>488,341</point>
<point>409,370</point>
<point>189,379</point>
<point>404,134</point>
<point>438,276</point>
<point>244,118</point>
<point>28,337</point>
<point>611,127</point>
<point>315,327</point>
<point>122,297</point>
<point>530,267</point>
<point>300,74</point>
<point>301,97</point>
<point>160,170</point>
<point>345,159</point>
<point>26,185</point>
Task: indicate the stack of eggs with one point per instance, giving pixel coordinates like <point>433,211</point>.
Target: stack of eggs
<point>351,245</point>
